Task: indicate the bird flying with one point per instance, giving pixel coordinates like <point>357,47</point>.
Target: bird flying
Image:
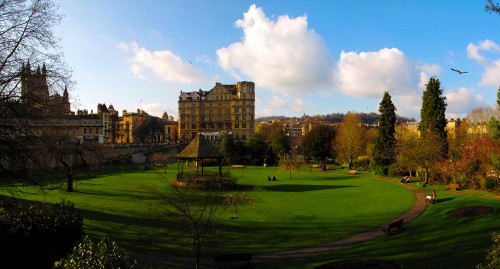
<point>459,72</point>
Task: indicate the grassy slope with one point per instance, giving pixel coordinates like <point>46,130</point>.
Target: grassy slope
<point>309,209</point>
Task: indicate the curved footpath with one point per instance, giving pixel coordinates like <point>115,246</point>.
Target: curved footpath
<point>417,209</point>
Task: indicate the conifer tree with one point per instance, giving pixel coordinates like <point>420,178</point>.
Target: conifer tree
<point>432,115</point>
<point>384,151</point>
<point>494,124</point>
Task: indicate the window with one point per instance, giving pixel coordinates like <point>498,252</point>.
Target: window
<point>96,130</point>
<point>84,130</point>
<point>193,126</point>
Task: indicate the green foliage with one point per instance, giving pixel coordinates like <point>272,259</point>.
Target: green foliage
<point>494,124</point>
<point>490,183</point>
<point>318,142</point>
<point>432,115</point>
<point>256,147</point>
<point>97,255</point>
<point>396,170</point>
<point>228,147</point>
<point>35,235</point>
<point>280,142</point>
<point>385,147</point>
<point>493,256</point>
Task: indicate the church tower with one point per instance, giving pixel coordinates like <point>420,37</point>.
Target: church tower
<point>34,87</point>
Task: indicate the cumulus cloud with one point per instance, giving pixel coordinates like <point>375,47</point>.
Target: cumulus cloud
<point>476,52</point>
<point>163,64</point>
<point>154,109</point>
<point>282,55</point>
<point>461,101</point>
<point>369,74</point>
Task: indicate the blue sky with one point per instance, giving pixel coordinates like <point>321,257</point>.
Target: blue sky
<point>312,57</point>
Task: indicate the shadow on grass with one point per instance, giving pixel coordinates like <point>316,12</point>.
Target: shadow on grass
<point>442,200</point>
<point>302,187</point>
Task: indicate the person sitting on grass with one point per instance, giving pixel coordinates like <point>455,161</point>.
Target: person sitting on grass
<point>431,198</point>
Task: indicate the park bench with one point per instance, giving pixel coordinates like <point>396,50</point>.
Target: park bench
<point>453,186</point>
<point>394,225</point>
<point>237,166</point>
<point>233,258</point>
<point>352,172</point>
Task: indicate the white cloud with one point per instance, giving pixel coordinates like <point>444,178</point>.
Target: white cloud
<point>163,64</point>
<point>461,101</point>
<point>282,55</point>
<point>155,109</point>
<point>369,74</point>
<point>477,52</point>
<point>491,75</point>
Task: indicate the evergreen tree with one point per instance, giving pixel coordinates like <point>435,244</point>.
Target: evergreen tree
<point>432,115</point>
<point>494,124</point>
<point>384,151</point>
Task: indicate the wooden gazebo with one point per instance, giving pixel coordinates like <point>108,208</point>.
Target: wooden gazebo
<point>198,150</point>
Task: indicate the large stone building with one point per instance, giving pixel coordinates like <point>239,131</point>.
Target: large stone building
<point>224,108</point>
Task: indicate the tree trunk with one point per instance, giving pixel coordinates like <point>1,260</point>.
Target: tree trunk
<point>69,187</point>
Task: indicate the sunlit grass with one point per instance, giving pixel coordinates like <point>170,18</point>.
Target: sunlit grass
<point>312,208</point>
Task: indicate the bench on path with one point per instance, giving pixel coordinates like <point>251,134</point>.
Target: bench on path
<point>453,186</point>
<point>233,258</point>
<point>352,172</point>
<point>394,225</point>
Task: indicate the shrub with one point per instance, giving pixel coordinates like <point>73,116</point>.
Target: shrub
<point>493,256</point>
<point>489,183</point>
<point>380,170</point>
<point>34,234</point>
<point>97,255</point>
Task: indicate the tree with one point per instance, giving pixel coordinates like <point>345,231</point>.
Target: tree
<point>256,147</point>
<point>492,7</point>
<point>385,145</point>
<point>318,142</point>
<point>420,152</point>
<point>74,155</point>
<point>432,114</point>
<point>27,38</point>
<point>227,147</point>
<point>149,127</point>
<point>473,163</point>
<point>288,163</point>
<point>237,199</point>
<point>349,139</point>
<point>198,212</point>
<point>280,143</point>
<point>494,123</point>
<point>163,158</point>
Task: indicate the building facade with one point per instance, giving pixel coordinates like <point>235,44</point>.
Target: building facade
<point>224,108</point>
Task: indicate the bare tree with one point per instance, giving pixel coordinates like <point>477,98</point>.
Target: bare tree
<point>74,155</point>
<point>198,211</point>
<point>492,7</point>
<point>288,163</point>
<point>235,200</point>
<point>26,38</point>
<point>482,115</point>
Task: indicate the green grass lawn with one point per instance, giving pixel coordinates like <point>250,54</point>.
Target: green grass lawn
<point>312,208</point>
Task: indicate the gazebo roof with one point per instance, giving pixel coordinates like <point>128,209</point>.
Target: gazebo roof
<point>199,148</point>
